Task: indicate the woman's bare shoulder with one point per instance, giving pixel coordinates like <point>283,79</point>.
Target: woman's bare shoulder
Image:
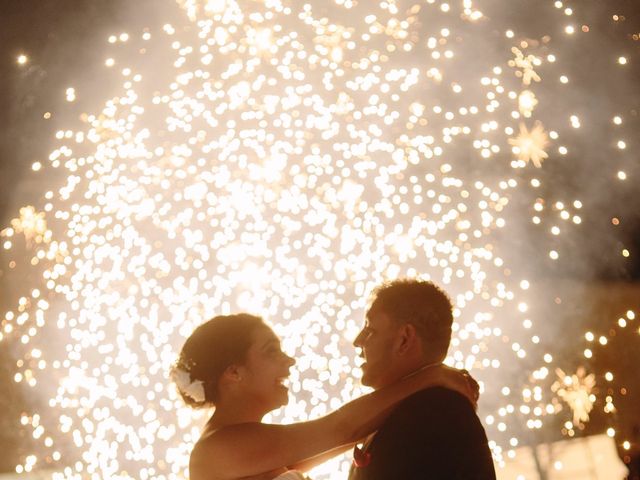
<point>247,449</point>
<point>202,457</point>
<point>216,445</point>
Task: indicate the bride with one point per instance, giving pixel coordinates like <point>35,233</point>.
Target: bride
<point>235,364</point>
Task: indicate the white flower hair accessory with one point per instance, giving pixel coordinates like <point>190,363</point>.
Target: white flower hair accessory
<point>191,388</point>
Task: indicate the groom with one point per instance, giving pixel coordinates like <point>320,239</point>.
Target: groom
<point>434,434</point>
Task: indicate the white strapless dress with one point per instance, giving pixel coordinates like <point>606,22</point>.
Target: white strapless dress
<point>291,475</point>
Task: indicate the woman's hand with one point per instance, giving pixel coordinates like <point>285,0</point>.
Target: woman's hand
<point>458,380</point>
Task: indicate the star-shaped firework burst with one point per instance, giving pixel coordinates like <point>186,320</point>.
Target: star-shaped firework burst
<point>530,145</point>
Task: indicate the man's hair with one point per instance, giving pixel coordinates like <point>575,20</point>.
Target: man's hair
<point>424,305</point>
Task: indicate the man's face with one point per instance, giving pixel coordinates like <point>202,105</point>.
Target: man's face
<point>377,341</point>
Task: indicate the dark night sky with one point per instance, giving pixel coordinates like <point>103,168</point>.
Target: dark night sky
<point>64,40</point>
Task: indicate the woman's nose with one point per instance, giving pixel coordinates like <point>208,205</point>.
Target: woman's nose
<point>290,360</point>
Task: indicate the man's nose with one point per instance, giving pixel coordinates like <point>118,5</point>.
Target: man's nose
<point>358,340</point>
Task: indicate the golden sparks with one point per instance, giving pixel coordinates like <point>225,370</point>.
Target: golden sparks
<point>530,145</point>
<point>527,101</point>
<point>32,224</point>
<point>527,65</point>
<point>577,392</point>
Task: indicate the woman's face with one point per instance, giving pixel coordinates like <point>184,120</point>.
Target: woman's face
<point>265,370</point>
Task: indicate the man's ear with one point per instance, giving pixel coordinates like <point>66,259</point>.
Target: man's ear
<point>408,338</point>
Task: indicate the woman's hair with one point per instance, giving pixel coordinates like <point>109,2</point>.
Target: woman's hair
<point>212,347</point>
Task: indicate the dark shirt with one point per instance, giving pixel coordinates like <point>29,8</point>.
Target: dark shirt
<point>433,435</point>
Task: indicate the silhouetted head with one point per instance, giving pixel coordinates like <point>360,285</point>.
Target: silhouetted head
<point>407,326</point>
<point>232,354</point>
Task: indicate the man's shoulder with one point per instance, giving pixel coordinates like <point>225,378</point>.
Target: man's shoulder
<point>429,432</point>
<point>436,393</point>
<point>435,409</point>
<point>430,399</point>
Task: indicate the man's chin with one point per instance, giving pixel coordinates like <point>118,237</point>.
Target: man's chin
<point>366,379</point>
<point>375,380</point>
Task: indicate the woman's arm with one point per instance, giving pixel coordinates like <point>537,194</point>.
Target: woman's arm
<point>247,449</point>
<point>309,463</point>
<point>250,449</point>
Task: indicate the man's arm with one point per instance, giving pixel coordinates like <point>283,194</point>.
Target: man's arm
<point>433,434</point>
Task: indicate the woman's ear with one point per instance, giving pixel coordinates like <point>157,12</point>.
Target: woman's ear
<point>232,374</point>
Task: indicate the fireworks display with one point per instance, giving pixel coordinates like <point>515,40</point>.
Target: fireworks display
<point>284,158</point>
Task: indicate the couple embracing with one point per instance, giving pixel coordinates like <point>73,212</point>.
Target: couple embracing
<point>418,423</point>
